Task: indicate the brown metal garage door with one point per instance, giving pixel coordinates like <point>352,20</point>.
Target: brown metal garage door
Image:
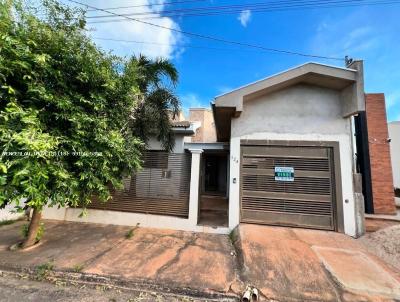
<point>305,198</point>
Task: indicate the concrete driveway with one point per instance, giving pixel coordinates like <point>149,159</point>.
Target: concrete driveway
<point>289,264</point>
<point>285,264</point>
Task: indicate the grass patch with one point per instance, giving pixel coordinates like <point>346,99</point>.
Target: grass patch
<point>131,232</point>
<point>43,270</point>
<point>233,236</point>
<point>78,268</point>
<point>7,222</point>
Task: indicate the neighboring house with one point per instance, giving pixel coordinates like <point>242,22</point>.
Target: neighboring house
<point>284,152</point>
<point>394,135</point>
<point>206,131</point>
<point>8,214</point>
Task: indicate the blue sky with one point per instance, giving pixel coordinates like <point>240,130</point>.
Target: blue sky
<point>370,33</point>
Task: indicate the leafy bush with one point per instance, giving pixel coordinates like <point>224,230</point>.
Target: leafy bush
<point>6,222</point>
<point>43,270</point>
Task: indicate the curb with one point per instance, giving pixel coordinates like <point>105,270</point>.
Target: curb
<point>117,283</point>
<point>394,218</point>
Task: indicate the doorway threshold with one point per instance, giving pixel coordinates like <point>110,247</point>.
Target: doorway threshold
<point>213,211</point>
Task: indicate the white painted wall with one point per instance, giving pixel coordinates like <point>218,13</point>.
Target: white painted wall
<point>194,186</point>
<point>394,134</point>
<point>130,219</point>
<point>6,214</point>
<point>154,144</point>
<point>297,113</point>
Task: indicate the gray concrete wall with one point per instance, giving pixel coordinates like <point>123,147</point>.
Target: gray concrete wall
<point>300,109</point>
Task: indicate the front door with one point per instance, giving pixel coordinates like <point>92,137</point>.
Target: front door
<point>215,174</point>
<point>213,199</point>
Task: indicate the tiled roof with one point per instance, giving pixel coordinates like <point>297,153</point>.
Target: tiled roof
<point>181,124</point>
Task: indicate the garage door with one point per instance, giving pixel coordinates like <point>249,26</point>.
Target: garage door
<point>291,186</point>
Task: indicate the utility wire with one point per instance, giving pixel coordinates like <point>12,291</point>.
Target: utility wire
<point>158,16</point>
<point>275,4</point>
<point>163,14</point>
<point>150,5</point>
<point>174,44</point>
<point>211,38</point>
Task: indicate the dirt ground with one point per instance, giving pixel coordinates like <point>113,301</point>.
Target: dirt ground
<point>385,244</point>
<point>14,289</point>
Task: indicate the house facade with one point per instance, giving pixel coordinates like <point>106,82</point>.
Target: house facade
<point>280,151</point>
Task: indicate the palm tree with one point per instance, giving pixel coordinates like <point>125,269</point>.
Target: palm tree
<point>157,81</point>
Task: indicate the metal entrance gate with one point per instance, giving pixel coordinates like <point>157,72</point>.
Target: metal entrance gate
<point>161,187</point>
<point>288,185</point>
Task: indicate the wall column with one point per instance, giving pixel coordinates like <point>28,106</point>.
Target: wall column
<point>234,183</point>
<point>379,153</point>
<point>194,186</point>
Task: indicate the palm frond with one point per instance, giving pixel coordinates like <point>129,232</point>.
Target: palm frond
<point>153,116</point>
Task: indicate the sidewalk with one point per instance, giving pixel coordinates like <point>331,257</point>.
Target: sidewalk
<point>175,259</point>
<point>289,264</point>
<point>284,264</point>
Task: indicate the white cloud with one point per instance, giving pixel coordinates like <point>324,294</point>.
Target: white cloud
<point>192,100</point>
<point>393,99</point>
<point>353,36</point>
<point>224,89</point>
<point>354,43</point>
<point>393,106</point>
<point>244,17</point>
<point>322,26</point>
<point>163,39</point>
<point>360,40</point>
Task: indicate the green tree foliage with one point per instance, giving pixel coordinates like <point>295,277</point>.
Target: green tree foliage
<point>70,114</point>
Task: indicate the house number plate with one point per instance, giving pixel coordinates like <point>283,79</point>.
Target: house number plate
<point>284,173</point>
